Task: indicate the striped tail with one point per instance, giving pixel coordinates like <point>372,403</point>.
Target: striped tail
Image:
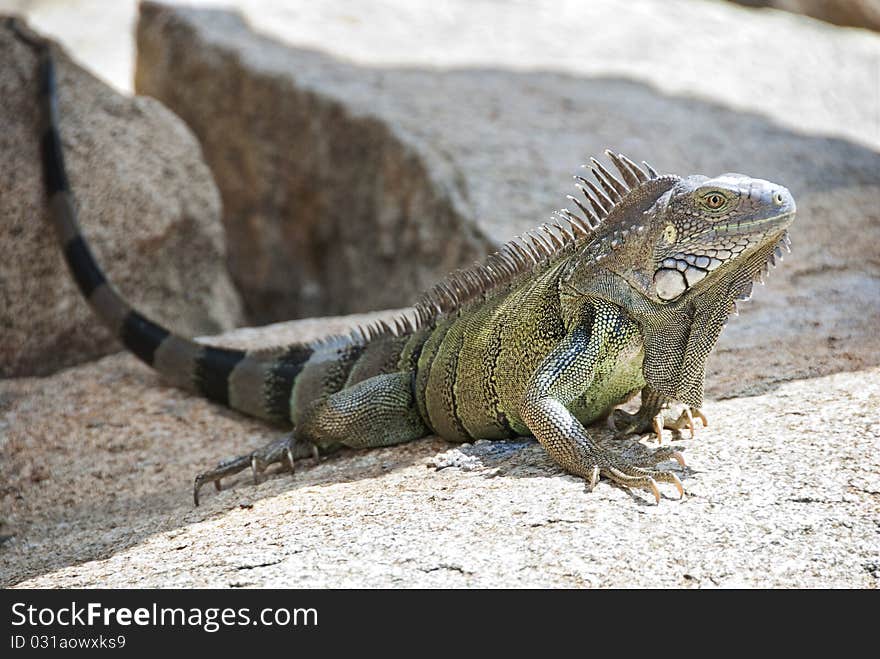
<point>249,382</point>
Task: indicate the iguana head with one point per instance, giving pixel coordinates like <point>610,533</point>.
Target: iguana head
<point>676,253</point>
<point>703,226</point>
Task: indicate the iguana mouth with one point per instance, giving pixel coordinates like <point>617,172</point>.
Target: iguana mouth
<point>783,220</point>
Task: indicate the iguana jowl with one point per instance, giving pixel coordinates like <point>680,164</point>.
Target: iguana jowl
<point>543,338</point>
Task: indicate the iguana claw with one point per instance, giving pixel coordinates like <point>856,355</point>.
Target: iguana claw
<point>657,424</point>
<point>594,477</point>
<point>678,486</point>
<point>655,490</point>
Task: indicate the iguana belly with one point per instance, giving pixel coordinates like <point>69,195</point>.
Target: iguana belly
<point>614,385</point>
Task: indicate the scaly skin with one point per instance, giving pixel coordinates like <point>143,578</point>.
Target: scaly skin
<point>544,338</point>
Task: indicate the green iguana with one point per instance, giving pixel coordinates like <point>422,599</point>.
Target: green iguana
<point>543,338</point>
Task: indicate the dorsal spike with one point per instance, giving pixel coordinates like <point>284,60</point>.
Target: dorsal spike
<point>628,177</point>
<point>511,255</point>
<point>585,223</point>
<point>462,283</point>
<point>609,191</point>
<point>457,285</point>
<point>488,277</point>
<point>537,251</point>
<point>608,181</point>
<point>516,258</point>
<point>592,220</point>
<point>544,248</point>
<point>602,203</point>
<point>534,254</point>
<point>445,290</point>
<point>524,251</point>
<point>578,228</point>
<point>651,171</point>
<point>504,263</point>
<point>484,274</point>
<point>580,224</point>
<point>568,235</point>
<point>481,279</point>
<point>637,171</point>
<point>557,242</point>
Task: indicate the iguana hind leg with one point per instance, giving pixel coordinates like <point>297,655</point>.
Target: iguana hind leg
<point>379,411</point>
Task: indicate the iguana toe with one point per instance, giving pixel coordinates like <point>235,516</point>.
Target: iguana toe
<point>686,420</point>
<point>663,454</point>
<point>642,478</point>
<point>282,451</point>
<point>643,482</point>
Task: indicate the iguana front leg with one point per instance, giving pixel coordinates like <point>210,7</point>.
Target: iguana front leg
<point>593,342</point>
<point>655,413</point>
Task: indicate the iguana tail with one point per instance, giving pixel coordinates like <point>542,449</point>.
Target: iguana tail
<point>257,384</point>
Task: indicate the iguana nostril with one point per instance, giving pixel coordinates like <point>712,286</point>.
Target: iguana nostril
<point>778,198</point>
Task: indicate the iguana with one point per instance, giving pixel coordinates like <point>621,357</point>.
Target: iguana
<point>546,336</point>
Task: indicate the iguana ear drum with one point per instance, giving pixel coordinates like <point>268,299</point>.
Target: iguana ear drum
<point>669,284</point>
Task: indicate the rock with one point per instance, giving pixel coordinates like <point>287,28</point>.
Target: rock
<point>98,494</point>
<point>852,13</point>
<point>147,204</point>
<point>355,177</point>
<point>327,209</point>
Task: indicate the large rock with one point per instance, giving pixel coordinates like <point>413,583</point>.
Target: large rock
<point>327,208</point>
<point>147,204</point>
<point>97,494</point>
<point>352,178</point>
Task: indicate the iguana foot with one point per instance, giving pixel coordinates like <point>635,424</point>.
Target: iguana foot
<point>633,473</point>
<point>642,478</point>
<point>623,423</point>
<point>283,451</point>
<point>639,474</point>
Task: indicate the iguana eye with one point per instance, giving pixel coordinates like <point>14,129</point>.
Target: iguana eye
<point>714,200</point>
